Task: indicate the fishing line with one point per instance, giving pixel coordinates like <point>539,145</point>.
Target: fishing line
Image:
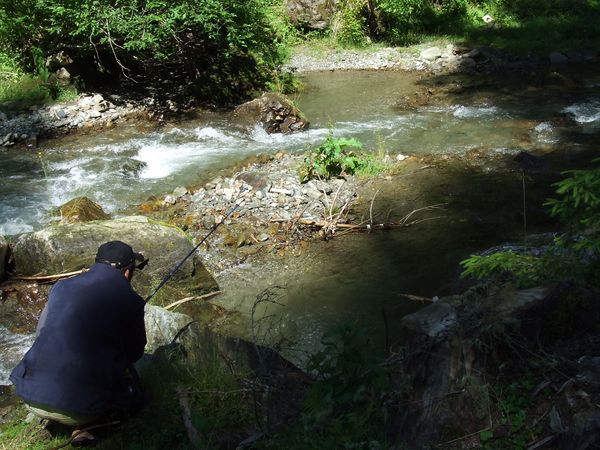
<point>192,251</point>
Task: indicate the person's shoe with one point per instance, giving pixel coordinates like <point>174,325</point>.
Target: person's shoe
<point>82,438</point>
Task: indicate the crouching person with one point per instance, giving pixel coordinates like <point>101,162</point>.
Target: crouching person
<point>80,367</point>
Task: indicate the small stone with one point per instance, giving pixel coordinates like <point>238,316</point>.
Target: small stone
<point>401,157</point>
<point>179,192</point>
<point>61,114</point>
<point>3,117</point>
<point>431,54</point>
<point>228,193</point>
<point>94,114</point>
<point>63,74</point>
<point>170,200</point>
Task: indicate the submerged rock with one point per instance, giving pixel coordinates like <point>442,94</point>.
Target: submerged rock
<point>66,247</point>
<point>275,112</point>
<point>81,209</point>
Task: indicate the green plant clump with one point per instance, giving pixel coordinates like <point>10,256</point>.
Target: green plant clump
<point>334,158</point>
<point>20,90</point>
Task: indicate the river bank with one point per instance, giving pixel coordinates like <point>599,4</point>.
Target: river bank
<point>97,111</point>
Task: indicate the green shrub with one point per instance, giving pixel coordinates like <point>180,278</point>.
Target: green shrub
<point>333,158</point>
<point>227,45</point>
<point>351,24</point>
<point>573,256</point>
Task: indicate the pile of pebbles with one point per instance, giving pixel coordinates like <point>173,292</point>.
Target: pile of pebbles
<point>266,192</point>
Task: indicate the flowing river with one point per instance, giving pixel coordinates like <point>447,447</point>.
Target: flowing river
<point>357,279</point>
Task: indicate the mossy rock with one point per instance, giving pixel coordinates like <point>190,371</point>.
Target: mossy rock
<point>275,112</point>
<point>67,247</point>
<point>81,209</point>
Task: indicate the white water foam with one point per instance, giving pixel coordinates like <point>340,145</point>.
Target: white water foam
<point>468,112</point>
<point>162,161</point>
<point>12,348</point>
<point>586,112</point>
<point>545,133</point>
<point>14,226</point>
<point>462,111</point>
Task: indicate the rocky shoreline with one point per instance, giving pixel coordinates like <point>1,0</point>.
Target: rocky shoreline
<point>448,59</point>
<point>88,113</point>
<point>95,111</point>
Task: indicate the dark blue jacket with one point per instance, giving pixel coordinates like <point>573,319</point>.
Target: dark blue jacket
<point>92,330</point>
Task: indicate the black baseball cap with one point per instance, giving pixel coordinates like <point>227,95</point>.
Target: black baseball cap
<point>117,254</point>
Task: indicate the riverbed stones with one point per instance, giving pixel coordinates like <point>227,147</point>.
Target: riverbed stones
<point>274,112</point>
<point>81,209</point>
<point>62,248</point>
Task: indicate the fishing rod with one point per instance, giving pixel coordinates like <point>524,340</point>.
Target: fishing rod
<point>192,251</point>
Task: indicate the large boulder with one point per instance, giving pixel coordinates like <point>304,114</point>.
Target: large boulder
<point>162,326</point>
<point>275,112</point>
<point>81,209</point>
<point>460,349</point>
<point>63,248</point>
<point>311,14</point>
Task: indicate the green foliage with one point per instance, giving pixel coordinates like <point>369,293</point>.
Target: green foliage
<point>333,158</point>
<point>19,90</point>
<point>580,199</point>
<point>512,403</point>
<point>521,26</point>
<point>573,256</point>
<point>230,46</point>
<point>525,268</point>
<point>352,24</point>
<point>344,407</point>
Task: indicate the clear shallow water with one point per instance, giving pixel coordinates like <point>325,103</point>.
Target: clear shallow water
<point>329,283</point>
<point>124,166</point>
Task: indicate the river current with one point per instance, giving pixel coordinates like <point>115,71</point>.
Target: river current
<point>361,279</point>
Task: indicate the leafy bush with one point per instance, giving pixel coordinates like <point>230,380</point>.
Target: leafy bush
<point>333,158</point>
<point>227,45</point>
<point>573,256</point>
<point>351,24</point>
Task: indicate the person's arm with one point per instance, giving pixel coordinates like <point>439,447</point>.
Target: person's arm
<point>42,321</point>
<point>136,334</point>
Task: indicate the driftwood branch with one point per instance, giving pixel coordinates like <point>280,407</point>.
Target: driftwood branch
<point>55,277</point>
<point>416,298</point>
<point>195,297</point>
